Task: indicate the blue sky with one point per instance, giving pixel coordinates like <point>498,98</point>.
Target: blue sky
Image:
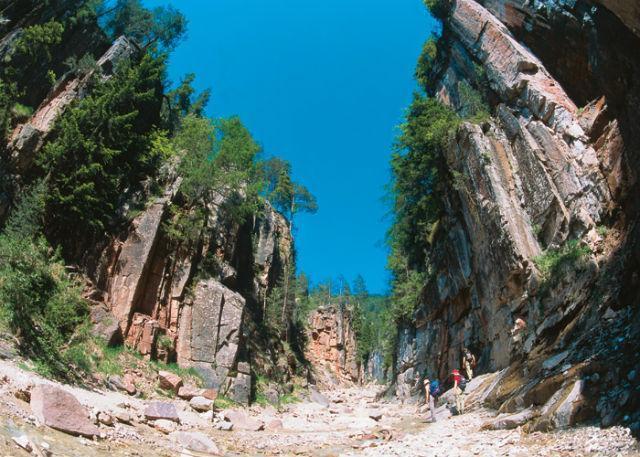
<point>323,84</point>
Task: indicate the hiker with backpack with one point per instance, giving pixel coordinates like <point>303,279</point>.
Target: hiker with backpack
<point>431,392</point>
<point>459,385</point>
<point>469,362</point>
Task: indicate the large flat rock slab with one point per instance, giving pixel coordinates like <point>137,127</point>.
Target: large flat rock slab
<point>58,409</point>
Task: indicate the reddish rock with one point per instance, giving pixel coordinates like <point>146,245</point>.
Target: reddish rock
<point>332,345</point>
<point>169,381</point>
<point>187,392</point>
<point>210,394</point>
<point>274,425</point>
<point>160,410</point>
<point>60,410</point>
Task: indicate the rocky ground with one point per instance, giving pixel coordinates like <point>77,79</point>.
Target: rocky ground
<point>344,421</point>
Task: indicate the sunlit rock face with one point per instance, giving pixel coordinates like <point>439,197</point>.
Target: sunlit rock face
<point>332,347</point>
<point>556,162</point>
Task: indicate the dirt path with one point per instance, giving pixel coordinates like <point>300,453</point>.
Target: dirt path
<point>346,421</point>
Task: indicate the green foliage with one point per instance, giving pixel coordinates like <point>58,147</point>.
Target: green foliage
<point>36,41</point>
<point>552,262</point>
<point>215,159</point>
<point>101,146</point>
<point>7,97</point>
<point>164,26</point>
<point>407,291</point>
<point>439,8</point>
<point>182,102</point>
<point>39,301</point>
<point>416,169</point>
<point>20,112</point>
<point>473,107</point>
<point>426,62</point>
<point>224,402</point>
<point>287,196</point>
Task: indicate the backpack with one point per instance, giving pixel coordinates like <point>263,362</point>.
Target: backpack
<point>434,388</point>
<point>462,383</point>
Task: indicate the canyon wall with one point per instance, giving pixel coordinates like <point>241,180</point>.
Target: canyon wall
<point>551,173</point>
<point>198,303</point>
<point>332,347</point>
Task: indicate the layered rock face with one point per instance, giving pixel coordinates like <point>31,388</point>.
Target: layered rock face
<point>27,139</point>
<point>540,173</point>
<point>170,307</point>
<point>194,303</point>
<point>332,347</point>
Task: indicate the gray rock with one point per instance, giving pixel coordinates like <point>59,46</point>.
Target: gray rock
<point>224,426</point>
<point>318,398</point>
<point>241,388</point>
<point>243,367</point>
<point>195,441</point>
<point>161,410</point>
<point>165,426</point>
<point>105,325</point>
<point>509,421</point>
<point>241,421</point>
<point>201,404</point>
<point>216,323</point>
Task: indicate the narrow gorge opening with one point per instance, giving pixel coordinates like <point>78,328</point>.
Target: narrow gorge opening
<point>344,228</point>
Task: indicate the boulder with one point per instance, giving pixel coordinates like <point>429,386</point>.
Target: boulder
<point>23,441</point>
<point>318,398</point>
<point>224,426</point>
<point>509,421</point>
<point>169,381</point>
<point>187,392</point>
<point>274,425</point>
<point>201,404</point>
<point>105,325</point>
<point>165,426</point>
<point>241,388</point>
<point>123,416</point>
<point>196,442</point>
<point>210,394</point>
<point>125,385</point>
<point>105,418</point>
<point>161,410</point>
<point>241,421</point>
<point>58,409</point>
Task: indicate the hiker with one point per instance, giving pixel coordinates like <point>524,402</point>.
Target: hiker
<point>431,393</point>
<point>517,336</point>
<point>469,362</point>
<point>459,383</point>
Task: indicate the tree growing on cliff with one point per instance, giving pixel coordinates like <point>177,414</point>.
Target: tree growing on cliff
<point>287,196</point>
<point>164,26</point>
<point>183,101</point>
<point>101,148</point>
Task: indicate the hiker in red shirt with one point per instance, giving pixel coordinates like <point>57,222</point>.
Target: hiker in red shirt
<point>457,390</point>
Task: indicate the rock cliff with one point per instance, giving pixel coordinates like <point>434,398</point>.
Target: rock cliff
<point>191,306</point>
<point>197,304</point>
<point>332,347</point>
<point>541,178</point>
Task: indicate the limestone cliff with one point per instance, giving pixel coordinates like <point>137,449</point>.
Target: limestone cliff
<point>540,175</point>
